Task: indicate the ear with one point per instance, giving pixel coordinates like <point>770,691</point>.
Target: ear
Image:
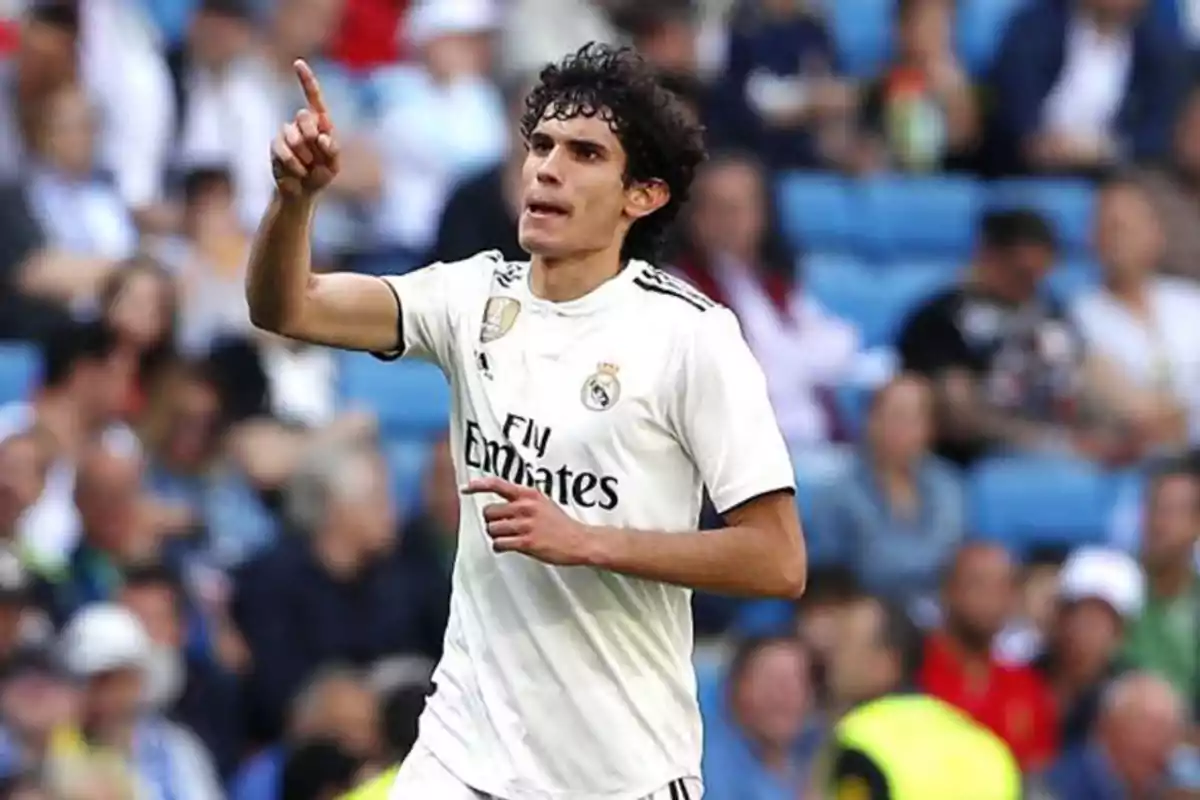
<point>643,199</point>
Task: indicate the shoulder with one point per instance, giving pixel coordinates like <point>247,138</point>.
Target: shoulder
<point>670,293</point>
<point>1180,292</point>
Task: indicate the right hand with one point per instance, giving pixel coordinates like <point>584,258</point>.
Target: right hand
<point>304,156</point>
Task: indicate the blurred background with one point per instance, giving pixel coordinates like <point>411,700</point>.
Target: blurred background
<point>962,237</point>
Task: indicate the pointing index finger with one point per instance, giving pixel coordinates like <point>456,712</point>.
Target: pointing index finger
<point>312,88</point>
<point>498,486</point>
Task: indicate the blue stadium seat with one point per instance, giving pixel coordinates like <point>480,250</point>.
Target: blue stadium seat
<point>877,302</point>
<point>20,365</point>
<point>1023,501</point>
<point>816,211</point>
<point>979,28</point>
<point>851,403</point>
<point>1066,203</point>
<point>862,33</point>
<point>817,466</point>
<point>916,216</point>
<point>406,460</point>
<point>1070,279</point>
<point>411,399</point>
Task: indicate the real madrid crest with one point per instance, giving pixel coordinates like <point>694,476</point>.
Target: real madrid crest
<point>602,389</point>
<point>499,315</point>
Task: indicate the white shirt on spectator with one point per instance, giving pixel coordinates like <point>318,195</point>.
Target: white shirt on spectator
<point>431,136</point>
<point>802,348</point>
<point>1095,73</point>
<point>1161,352</point>
<point>86,217</point>
<point>124,70</point>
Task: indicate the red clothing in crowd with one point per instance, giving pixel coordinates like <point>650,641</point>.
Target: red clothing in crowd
<point>369,36</point>
<point>1014,701</point>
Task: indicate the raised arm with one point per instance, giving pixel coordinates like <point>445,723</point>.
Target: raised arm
<point>345,310</point>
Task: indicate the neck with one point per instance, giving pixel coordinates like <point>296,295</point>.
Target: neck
<point>1171,580</point>
<point>561,281</point>
<point>974,659</point>
<point>1129,293</point>
<point>339,559</point>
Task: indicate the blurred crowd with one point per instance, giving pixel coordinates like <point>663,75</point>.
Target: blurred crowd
<point>961,236</point>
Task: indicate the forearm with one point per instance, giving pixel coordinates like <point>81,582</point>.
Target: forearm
<point>280,266</point>
<point>743,560</point>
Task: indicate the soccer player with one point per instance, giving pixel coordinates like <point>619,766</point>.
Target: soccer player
<point>594,399</point>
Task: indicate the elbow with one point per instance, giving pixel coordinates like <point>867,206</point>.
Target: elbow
<point>793,577</point>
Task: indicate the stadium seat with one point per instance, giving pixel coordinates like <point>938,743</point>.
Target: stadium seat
<point>916,216</point>
<point>411,399</point>
<point>406,460</point>
<point>979,28</point>
<point>1066,203</point>
<point>862,33</point>
<point>877,303</point>
<point>1023,501</point>
<point>816,211</point>
<point>20,365</point>
<point>817,466</point>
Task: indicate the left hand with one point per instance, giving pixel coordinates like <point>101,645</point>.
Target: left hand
<point>529,522</point>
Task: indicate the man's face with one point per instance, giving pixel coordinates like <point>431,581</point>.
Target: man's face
<point>1022,267</point>
<point>980,595</point>
<point>858,665</point>
<point>575,200</point>
<point>366,516</point>
<point>157,607</point>
<point>1172,521</point>
<point>114,698</point>
<point>728,216</point>
<point>772,695</point>
<point>47,53</point>
<point>108,494</point>
<point>1088,635</point>
<point>22,477</point>
<point>1129,240</point>
<point>36,702</point>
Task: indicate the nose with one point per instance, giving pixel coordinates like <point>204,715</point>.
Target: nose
<point>549,169</point>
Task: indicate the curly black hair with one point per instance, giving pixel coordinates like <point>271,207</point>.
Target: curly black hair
<point>661,136</point>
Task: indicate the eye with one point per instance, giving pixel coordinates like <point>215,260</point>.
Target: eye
<point>539,145</point>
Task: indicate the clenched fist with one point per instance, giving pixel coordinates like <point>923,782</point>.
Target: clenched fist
<point>304,156</point>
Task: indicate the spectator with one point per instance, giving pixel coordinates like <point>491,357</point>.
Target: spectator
<point>340,590</point>
<point>107,648</point>
<point>1028,628</point>
<point>876,753</point>
<point>1081,85</point>
<point>736,254</point>
<point>1157,640</point>
<point>422,156</point>
<point>481,211</point>
<point>1172,187</point>
<point>780,96</point>
<point>92,777</point>
<point>38,707</point>
<point>766,747</point>
<point>1141,723</point>
<point>960,666</point>
<point>1100,593</point>
<point>25,459</point>
<point>537,32</point>
<point>84,379</point>
<point>1141,324</point>
<point>897,516</point>
<point>318,770</point>
<point>188,687</point>
<point>80,213</point>
<point>922,114</point>
<point>117,530</point>
<point>1006,368</point>
<point>44,62</point>
<point>335,705</point>
<point>19,615</point>
<point>434,532</point>
<point>401,711</point>
<point>139,301</point>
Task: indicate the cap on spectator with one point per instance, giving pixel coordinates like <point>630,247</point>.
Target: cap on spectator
<point>431,19</point>
<point>102,638</point>
<point>14,580</point>
<point>1098,573</point>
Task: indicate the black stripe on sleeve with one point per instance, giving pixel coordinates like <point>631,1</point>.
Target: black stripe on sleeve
<point>674,789</point>
<point>392,355</point>
<point>663,290</point>
<point>683,790</point>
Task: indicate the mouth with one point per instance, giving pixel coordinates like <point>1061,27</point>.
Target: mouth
<point>546,209</point>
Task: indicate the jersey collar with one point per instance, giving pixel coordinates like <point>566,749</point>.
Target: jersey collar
<point>603,296</point>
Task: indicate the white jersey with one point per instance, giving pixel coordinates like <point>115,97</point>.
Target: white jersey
<point>622,406</point>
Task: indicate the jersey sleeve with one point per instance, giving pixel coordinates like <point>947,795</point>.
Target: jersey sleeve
<point>724,418</point>
<point>432,301</point>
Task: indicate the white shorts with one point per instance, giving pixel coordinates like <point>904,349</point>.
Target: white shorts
<point>423,777</point>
